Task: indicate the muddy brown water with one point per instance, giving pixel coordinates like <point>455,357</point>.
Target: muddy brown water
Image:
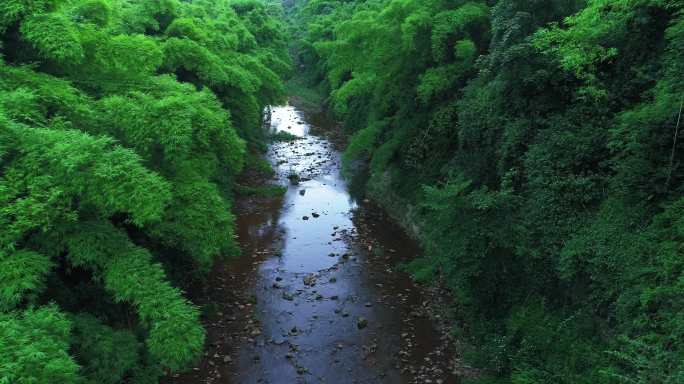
<point>317,296</point>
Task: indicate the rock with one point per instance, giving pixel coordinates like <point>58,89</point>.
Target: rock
<point>288,296</point>
<point>302,192</point>
<point>361,322</point>
<point>305,218</point>
<point>315,215</point>
<point>309,280</point>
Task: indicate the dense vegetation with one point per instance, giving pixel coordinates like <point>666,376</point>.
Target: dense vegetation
<point>532,146</point>
<point>123,125</point>
<point>536,146</point>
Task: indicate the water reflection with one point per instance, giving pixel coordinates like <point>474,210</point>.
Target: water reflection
<point>314,205</point>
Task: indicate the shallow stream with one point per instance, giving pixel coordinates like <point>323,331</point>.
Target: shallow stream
<point>316,297</point>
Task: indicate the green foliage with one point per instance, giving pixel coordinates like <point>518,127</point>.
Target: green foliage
<point>13,11</point>
<point>123,125</point>
<point>423,270</point>
<point>54,173</point>
<point>284,136</point>
<point>470,20</point>
<point>362,143</point>
<point>108,355</point>
<point>199,222</point>
<point>98,12</point>
<point>34,347</point>
<point>23,272</point>
<point>258,165</point>
<point>127,271</point>
<point>307,98</point>
<point>54,36</point>
<point>534,148</point>
<point>184,27</point>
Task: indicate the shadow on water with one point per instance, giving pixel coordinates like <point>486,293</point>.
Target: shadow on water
<point>315,298</point>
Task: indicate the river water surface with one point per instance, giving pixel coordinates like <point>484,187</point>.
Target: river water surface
<point>316,296</point>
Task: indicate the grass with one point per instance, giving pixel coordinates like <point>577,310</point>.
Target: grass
<point>421,269</point>
<point>284,136</point>
<point>293,177</point>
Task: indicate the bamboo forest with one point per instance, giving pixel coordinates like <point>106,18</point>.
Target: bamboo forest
<point>341,191</point>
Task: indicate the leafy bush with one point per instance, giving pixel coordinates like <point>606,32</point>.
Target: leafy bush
<point>123,125</point>
<point>534,148</point>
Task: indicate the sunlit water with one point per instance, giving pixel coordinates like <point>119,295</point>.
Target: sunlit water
<point>316,205</point>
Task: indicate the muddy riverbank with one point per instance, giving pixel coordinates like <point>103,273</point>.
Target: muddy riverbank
<point>316,298</point>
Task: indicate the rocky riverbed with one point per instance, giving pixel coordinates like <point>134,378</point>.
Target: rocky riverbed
<point>317,296</point>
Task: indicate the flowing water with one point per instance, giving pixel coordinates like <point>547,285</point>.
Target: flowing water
<point>316,297</point>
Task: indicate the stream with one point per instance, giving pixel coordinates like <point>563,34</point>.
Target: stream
<point>317,296</point>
